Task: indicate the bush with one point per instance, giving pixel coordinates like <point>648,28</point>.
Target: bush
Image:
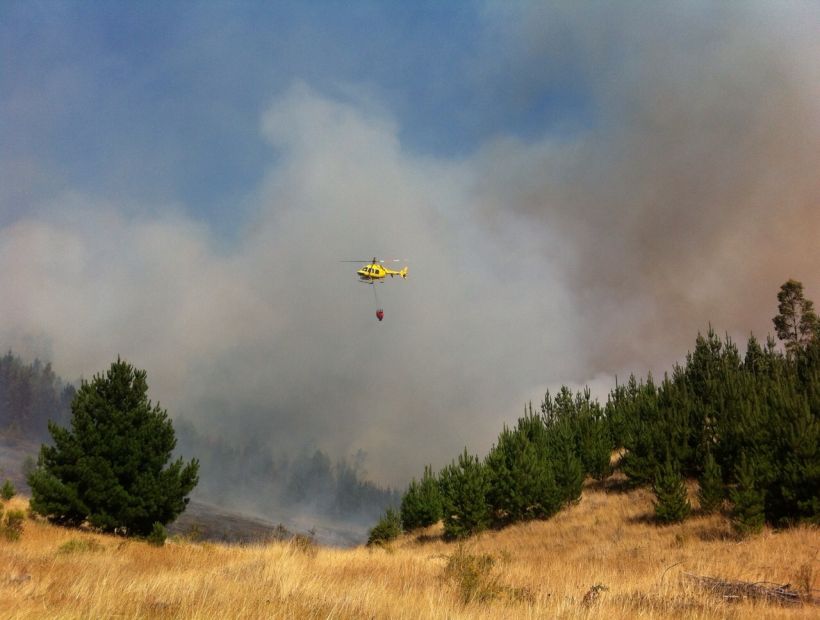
<point>13,525</point>
<point>306,543</point>
<point>158,535</point>
<point>79,545</point>
<point>7,491</point>
<point>388,528</point>
<point>473,575</point>
<point>478,581</point>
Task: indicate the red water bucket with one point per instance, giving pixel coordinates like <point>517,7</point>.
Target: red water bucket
<point>380,314</point>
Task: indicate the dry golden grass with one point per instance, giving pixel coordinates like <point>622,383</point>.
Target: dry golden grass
<point>536,570</point>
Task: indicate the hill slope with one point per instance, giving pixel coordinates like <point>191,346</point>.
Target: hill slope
<point>539,569</point>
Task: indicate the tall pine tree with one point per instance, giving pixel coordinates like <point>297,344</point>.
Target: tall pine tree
<point>796,322</point>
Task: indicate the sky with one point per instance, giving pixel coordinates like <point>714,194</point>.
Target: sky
<point>578,190</point>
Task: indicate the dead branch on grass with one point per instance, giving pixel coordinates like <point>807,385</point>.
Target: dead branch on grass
<point>762,590</point>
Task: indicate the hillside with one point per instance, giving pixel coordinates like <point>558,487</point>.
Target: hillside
<point>216,524</point>
<point>210,521</point>
<point>538,569</point>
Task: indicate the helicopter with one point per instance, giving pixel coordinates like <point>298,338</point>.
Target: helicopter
<point>374,272</point>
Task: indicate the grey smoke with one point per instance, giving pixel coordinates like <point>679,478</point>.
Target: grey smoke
<point>537,260</point>
<point>696,195</point>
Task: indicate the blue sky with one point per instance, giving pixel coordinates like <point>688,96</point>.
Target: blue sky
<point>579,189</point>
<point>162,101</point>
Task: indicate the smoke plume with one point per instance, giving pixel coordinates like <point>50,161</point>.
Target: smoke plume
<point>685,193</point>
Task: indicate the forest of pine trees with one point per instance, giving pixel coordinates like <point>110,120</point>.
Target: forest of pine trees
<point>251,474</point>
<point>30,396</point>
<point>747,427</point>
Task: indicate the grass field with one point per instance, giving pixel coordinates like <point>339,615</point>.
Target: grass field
<point>544,569</point>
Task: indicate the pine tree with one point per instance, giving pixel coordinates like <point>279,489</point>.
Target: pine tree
<point>388,528</point>
<point>562,421</point>
<point>430,495</point>
<point>596,447</point>
<point>464,486</point>
<point>410,508</point>
<point>793,484</point>
<point>421,503</point>
<point>644,437</point>
<point>111,466</point>
<point>796,323</point>
<point>569,475</point>
<point>158,535</point>
<point>671,503</point>
<point>747,497</point>
<point>711,492</point>
<point>522,485</point>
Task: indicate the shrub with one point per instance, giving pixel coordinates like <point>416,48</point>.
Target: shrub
<point>473,576</point>
<point>306,543</point>
<point>476,579</point>
<point>7,491</point>
<point>13,525</point>
<point>79,545</point>
<point>158,535</point>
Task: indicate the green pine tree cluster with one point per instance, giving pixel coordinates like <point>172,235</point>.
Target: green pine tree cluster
<point>30,396</point>
<point>747,427</point>
<point>532,470</point>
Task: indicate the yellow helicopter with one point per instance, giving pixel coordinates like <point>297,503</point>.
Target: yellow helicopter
<point>374,271</point>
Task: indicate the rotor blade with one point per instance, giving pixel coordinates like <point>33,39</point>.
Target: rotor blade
<point>369,261</point>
